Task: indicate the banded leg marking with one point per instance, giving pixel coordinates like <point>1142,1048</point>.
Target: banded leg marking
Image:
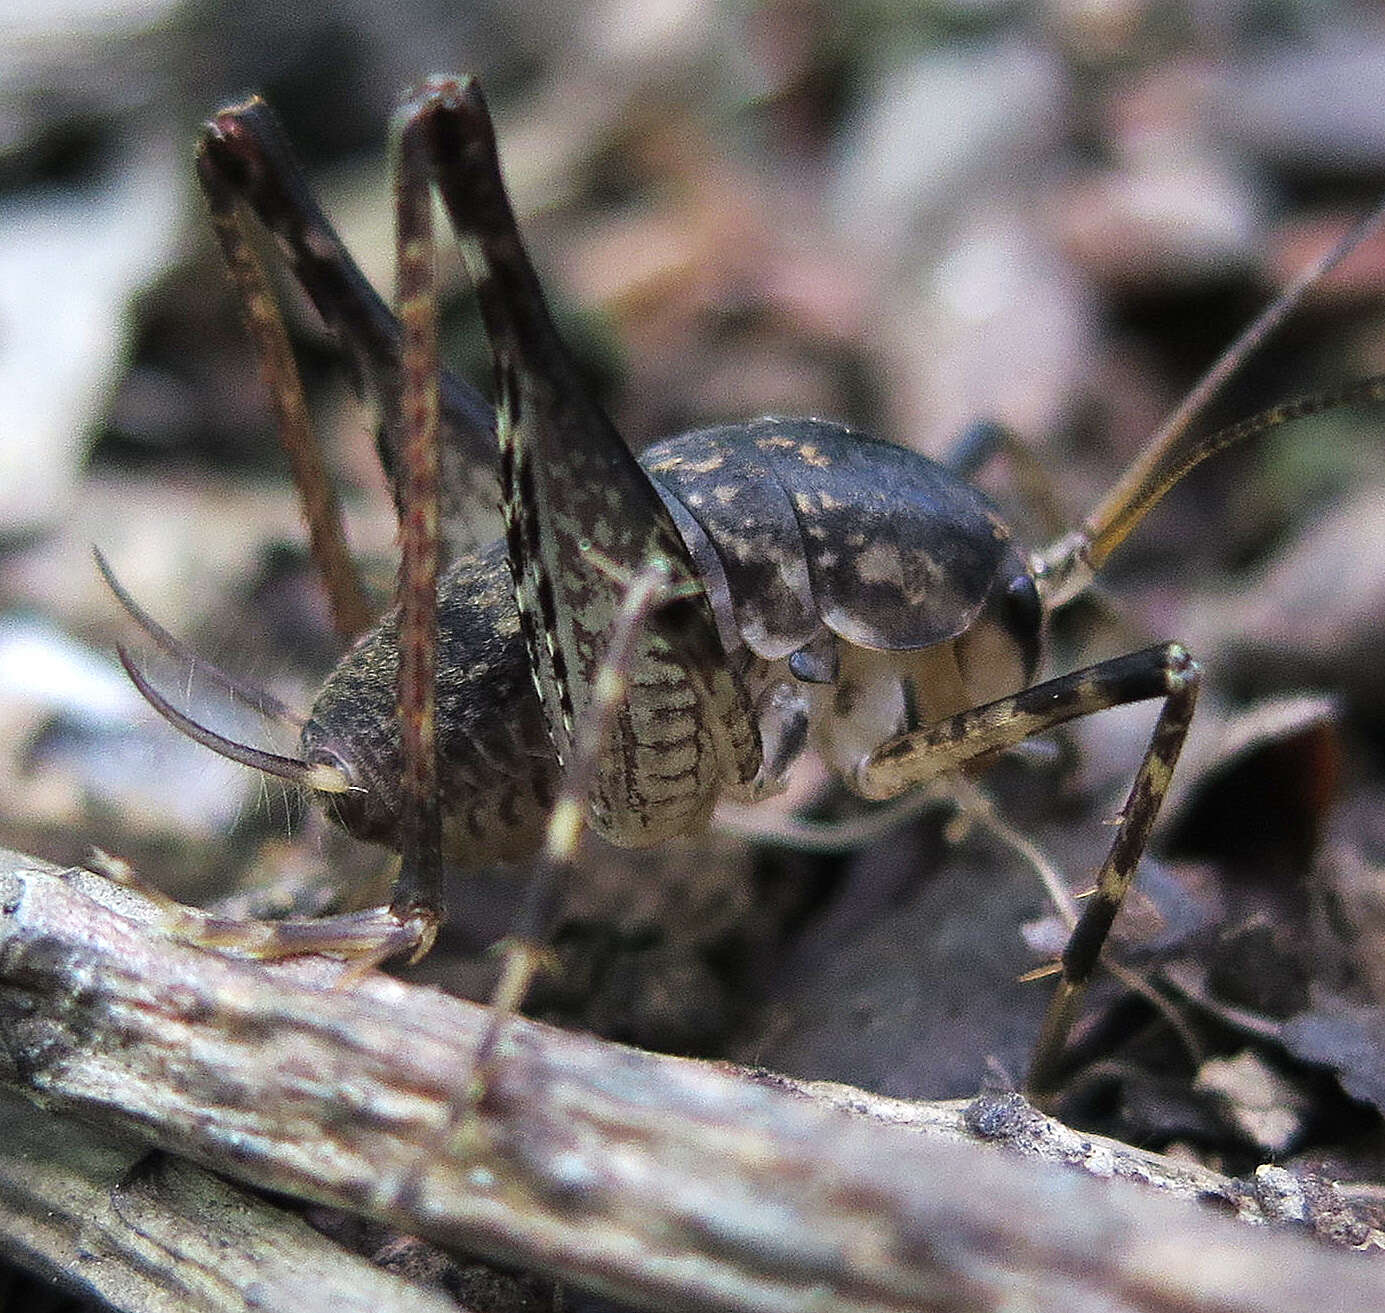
<point>1166,672</point>
<point>418,890</point>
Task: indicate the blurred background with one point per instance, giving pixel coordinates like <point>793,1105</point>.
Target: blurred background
<point>902,216</point>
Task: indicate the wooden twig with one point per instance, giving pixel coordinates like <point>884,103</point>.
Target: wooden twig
<point>665,1183</point>
<point>96,1213</point>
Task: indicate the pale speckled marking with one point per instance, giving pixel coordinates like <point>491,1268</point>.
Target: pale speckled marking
<point>707,465</point>
<point>743,549</point>
<point>880,563</point>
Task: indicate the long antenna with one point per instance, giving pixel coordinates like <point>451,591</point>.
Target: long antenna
<point>1066,567</point>
<point>313,775</point>
<point>261,699</point>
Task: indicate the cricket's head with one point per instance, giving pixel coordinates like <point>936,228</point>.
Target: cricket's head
<point>348,771</point>
<point>497,773</point>
<point>496,763</point>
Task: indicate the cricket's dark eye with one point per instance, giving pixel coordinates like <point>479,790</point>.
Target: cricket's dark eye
<point>1024,618</point>
<point>1025,610</point>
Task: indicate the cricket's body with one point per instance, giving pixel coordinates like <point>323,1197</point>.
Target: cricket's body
<point>841,647</point>
<point>650,636</point>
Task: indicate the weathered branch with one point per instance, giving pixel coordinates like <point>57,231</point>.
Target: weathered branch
<point>666,1183</point>
<point>94,1212</point>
